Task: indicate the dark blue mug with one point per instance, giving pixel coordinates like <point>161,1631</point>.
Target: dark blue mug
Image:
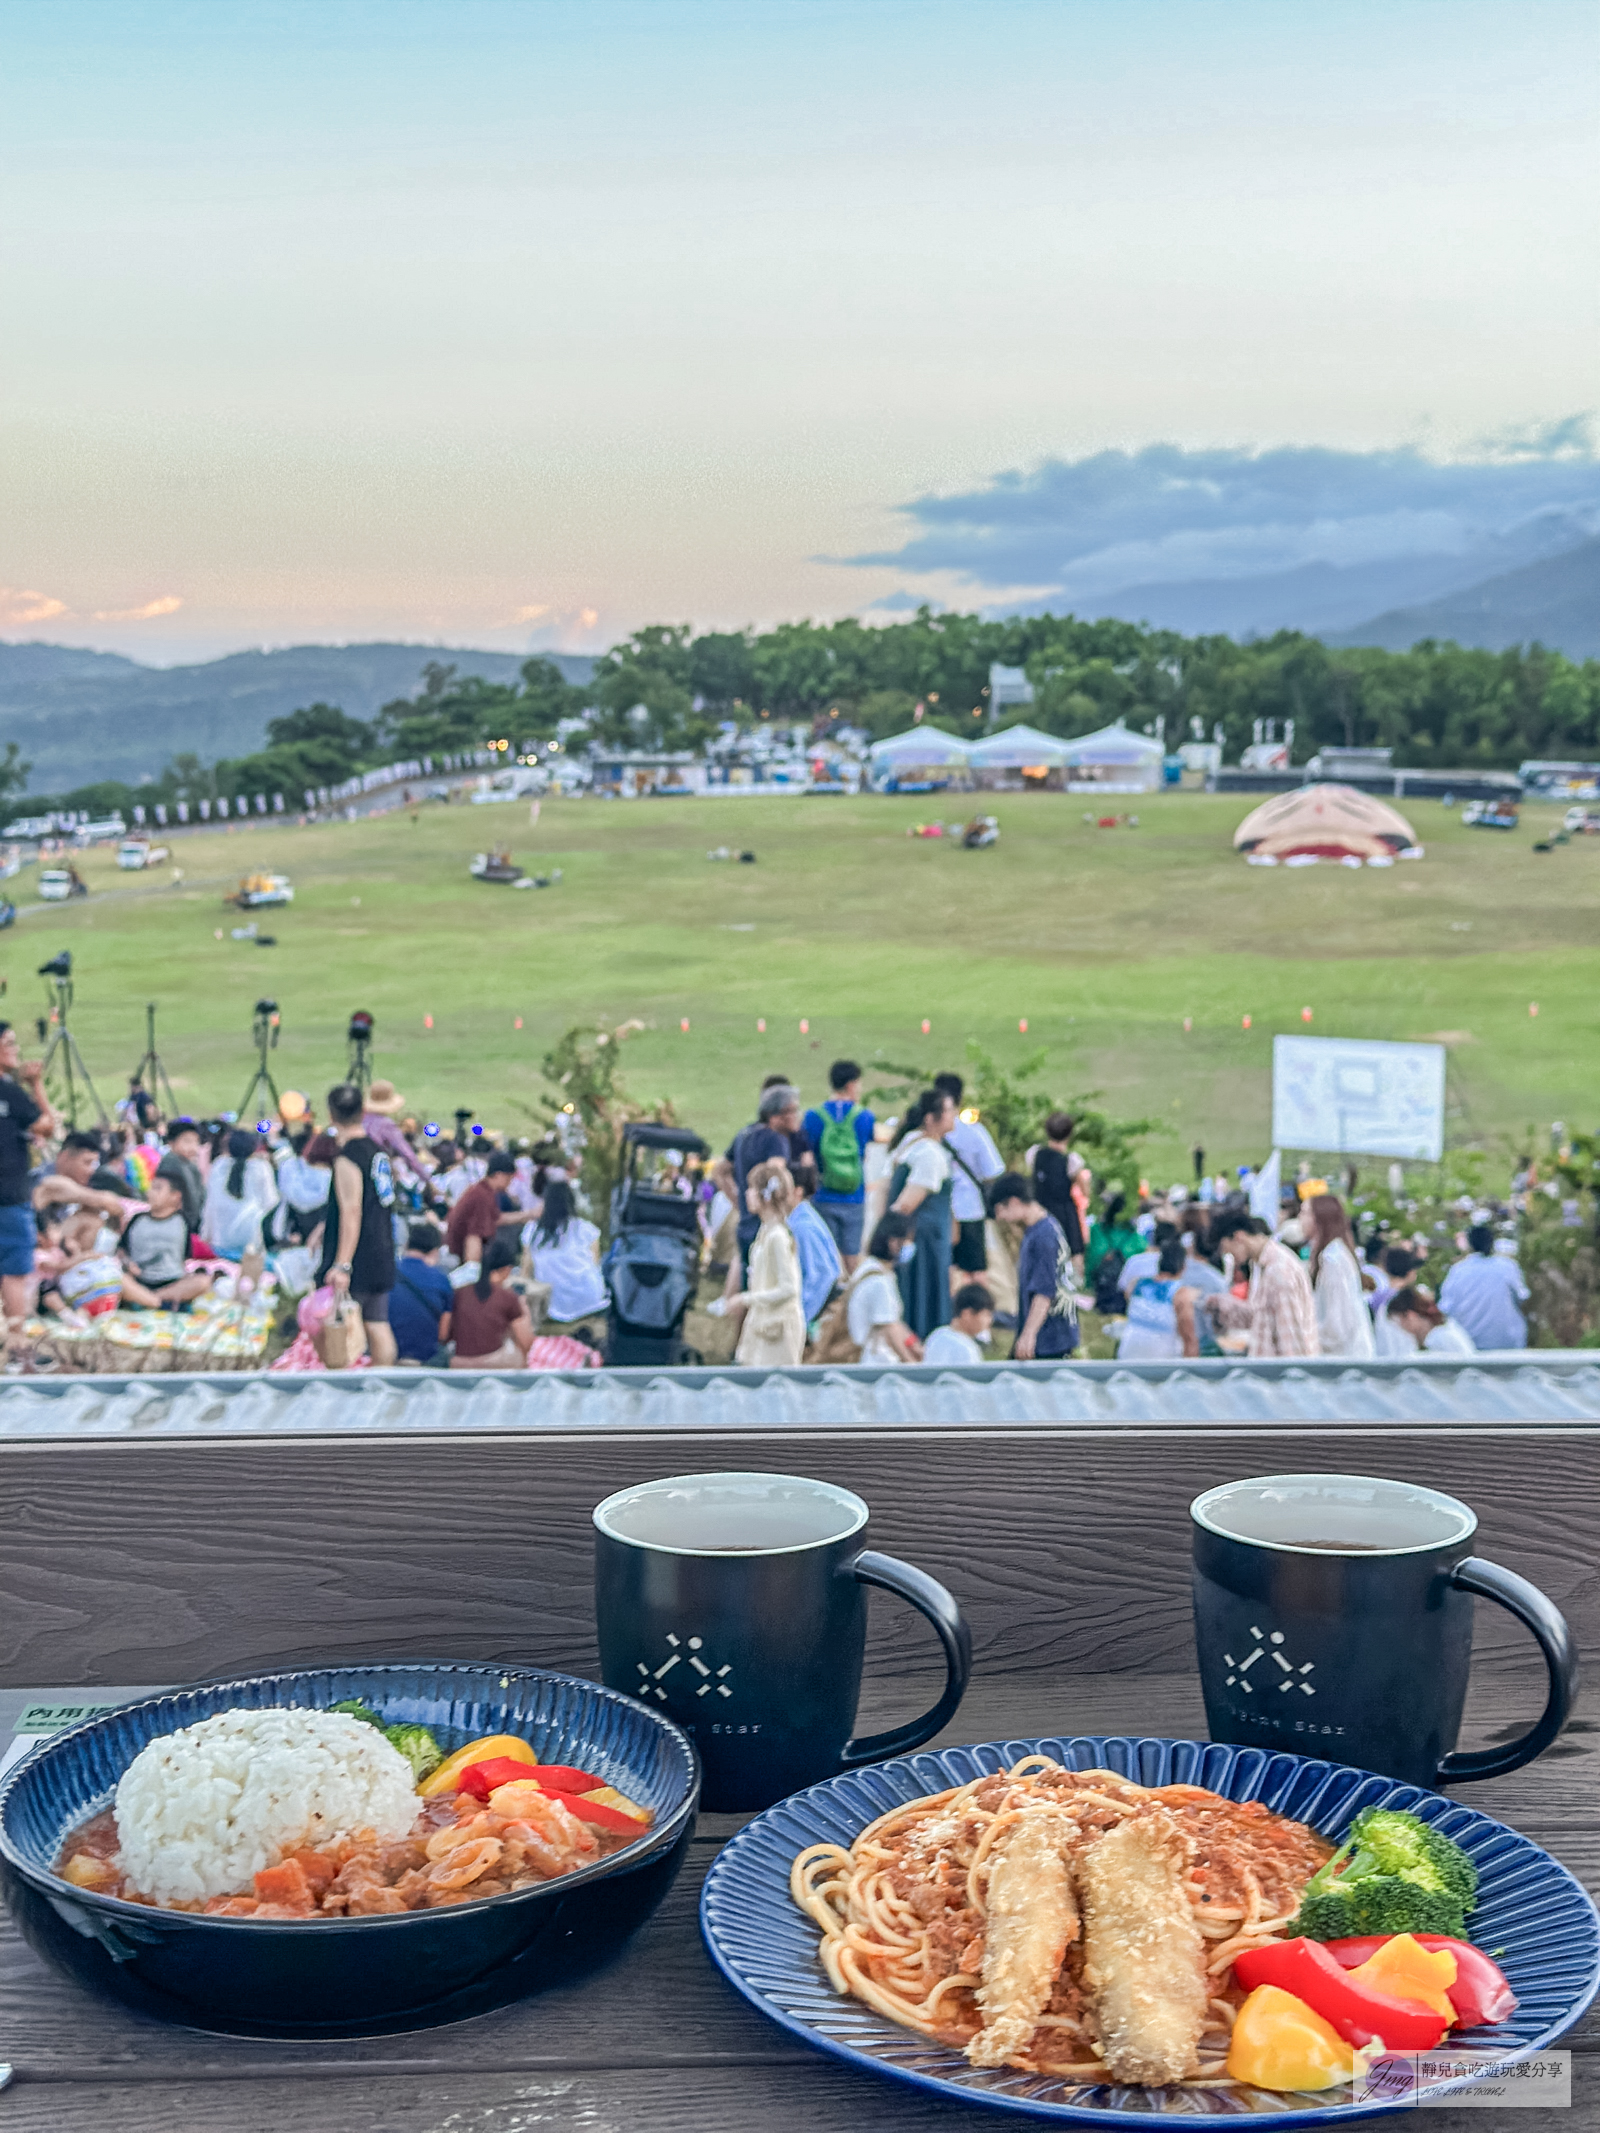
<point>736,1603</point>
<point>1333,1617</point>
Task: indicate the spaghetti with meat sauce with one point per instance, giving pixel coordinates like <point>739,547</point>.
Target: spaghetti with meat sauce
<point>1064,1922</point>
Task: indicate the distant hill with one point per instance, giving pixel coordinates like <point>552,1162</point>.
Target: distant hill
<point>1555,602</point>
<point>78,716</point>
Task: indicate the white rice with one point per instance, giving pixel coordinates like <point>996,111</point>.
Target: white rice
<point>199,1812</point>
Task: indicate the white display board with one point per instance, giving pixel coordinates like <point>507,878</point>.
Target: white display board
<point>1343,1096</point>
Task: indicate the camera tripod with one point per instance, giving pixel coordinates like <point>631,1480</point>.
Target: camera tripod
<point>61,1046</point>
<point>358,1067</point>
<point>264,1030</point>
<point>151,1072</point>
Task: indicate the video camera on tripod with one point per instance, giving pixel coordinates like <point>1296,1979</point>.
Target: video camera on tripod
<point>358,1036</point>
<point>264,1028</point>
<point>61,1047</point>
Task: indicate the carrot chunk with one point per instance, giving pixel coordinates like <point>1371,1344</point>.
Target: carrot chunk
<point>285,1884</point>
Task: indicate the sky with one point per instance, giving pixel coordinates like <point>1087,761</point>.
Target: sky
<point>515,324</point>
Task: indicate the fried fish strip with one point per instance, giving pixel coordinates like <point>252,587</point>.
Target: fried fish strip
<point>1144,1959</point>
<point>1032,1917</point>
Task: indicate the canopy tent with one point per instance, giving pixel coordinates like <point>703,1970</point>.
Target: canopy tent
<point>1114,748</point>
<point>1324,822</point>
<point>918,745</point>
<point>1019,748</point>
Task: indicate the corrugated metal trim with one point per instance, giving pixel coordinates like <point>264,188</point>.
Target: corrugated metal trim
<point>1551,1386</point>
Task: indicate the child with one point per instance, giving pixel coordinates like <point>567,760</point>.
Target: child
<point>154,1248</point>
<point>971,1316</point>
<point>774,1330</point>
<point>90,1280</point>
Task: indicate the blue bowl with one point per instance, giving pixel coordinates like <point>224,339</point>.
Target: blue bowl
<point>347,1977</point>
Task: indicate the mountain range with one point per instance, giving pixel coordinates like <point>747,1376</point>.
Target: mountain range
<point>1555,602</point>
<point>77,716</point>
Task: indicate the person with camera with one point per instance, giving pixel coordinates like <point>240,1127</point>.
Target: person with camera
<point>26,1119</point>
<point>358,1236</point>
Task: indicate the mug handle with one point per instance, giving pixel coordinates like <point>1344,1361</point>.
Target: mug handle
<point>1549,1626</point>
<point>930,1597</point>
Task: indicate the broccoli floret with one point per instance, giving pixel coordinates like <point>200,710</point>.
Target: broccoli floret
<point>1393,1874</point>
<point>355,1708</point>
<point>419,1748</point>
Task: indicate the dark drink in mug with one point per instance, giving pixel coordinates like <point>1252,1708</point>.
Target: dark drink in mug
<point>737,1604</point>
<point>1333,1617</point>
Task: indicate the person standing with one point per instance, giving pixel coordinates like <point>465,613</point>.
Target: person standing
<point>821,1263</point>
<point>1483,1292</point>
<point>921,1186</point>
<point>1280,1311</point>
<point>976,1161</point>
<point>26,1118</point>
<point>1344,1324</point>
<point>1047,1313</point>
<point>774,1328</point>
<point>1054,1168</point>
<point>358,1236</point>
<point>840,1131</point>
<point>767,1140</point>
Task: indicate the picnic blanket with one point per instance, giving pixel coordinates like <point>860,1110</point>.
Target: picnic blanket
<point>213,1334</point>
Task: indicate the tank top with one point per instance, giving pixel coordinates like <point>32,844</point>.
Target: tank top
<point>372,1268</point>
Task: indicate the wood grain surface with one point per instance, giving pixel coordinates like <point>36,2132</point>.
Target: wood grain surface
<point>1069,1548</point>
<point>182,1559</point>
<point>689,2052</point>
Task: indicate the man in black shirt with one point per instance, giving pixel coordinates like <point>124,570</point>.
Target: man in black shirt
<point>358,1236</point>
<point>25,1119</point>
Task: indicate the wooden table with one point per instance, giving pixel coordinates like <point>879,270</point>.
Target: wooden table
<point>177,1560</point>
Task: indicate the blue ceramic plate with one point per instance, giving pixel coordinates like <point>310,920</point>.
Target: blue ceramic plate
<point>1531,1912</point>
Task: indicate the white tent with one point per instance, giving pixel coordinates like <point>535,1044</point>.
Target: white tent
<point>1114,748</point>
<point>919,745</point>
<point>1020,748</point>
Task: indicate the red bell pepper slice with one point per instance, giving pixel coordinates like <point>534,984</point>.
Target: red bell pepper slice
<point>1311,1973</point>
<point>1480,1992</point>
<point>603,1817</point>
<point>480,1779</point>
<point>563,1778</point>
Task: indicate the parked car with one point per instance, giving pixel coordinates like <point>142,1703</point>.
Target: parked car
<point>57,885</point>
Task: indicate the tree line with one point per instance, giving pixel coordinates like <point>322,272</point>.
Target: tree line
<point>1438,705</point>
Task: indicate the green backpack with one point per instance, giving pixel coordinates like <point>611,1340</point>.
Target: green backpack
<point>839,1157</point>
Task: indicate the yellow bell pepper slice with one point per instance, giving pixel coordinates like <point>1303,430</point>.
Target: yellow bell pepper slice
<point>608,1796</point>
<point>1279,2043</point>
<point>1406,1970</point>
<point>476,1751</point>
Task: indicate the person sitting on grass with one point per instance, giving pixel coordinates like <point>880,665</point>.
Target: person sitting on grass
<point>1414,1311</point>
<point>1047,1317</point>
<point>492,1325</point>
<point>565,1250</point>
<point>421,1301</point>
<point>874,1310</point>
<point>155,1246</point>
<point>971,1316</point>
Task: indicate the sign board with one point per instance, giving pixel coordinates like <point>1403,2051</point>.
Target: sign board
<point>1339,1095</point>
<point>1008,686</point>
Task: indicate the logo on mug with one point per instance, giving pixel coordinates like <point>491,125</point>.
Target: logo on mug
<point>1291,1676</point>
<point>710,1677</point>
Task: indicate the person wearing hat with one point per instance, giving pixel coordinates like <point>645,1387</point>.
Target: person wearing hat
<point>385,1107</point>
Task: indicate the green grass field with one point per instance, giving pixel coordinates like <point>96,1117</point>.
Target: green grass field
<point>1103,940</point>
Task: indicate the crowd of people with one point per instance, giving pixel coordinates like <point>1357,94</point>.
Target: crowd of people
<point>799,1192</point>
<point>838,1236</point>
<point>421,1250</point>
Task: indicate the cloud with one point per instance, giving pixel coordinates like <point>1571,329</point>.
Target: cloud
<point>167,604</point>
<point>19,606</point>
<point>1167,515</point>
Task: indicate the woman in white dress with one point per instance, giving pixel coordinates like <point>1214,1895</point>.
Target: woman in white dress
<point>566,1253</point>
<point>1344,1323</point>
<point>774,1329</point>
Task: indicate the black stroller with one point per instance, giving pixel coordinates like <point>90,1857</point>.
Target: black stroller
<point>652,1265</point>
